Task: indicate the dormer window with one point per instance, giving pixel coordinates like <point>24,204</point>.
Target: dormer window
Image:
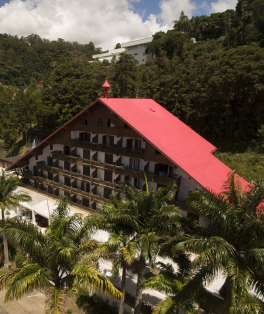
<point>99,122</point>
<point>84,122</point>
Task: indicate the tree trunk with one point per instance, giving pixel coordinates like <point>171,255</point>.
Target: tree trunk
<point>6,255</point>
<point>138,298</point>
<point>6,251</point>
<point>123,290</point>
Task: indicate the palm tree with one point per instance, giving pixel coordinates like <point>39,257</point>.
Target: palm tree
<point>55,259</point>
<point>122,244</point>
<point>146,216</point>
<point>169,282</point>
<point>231,242</point>
<point>9,197</point>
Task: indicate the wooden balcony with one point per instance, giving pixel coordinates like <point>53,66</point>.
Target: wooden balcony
<point>81,177</point>
<point>116,169</point>
<point>109,149</point>
<point>69,189</point>
<point>52,195</point>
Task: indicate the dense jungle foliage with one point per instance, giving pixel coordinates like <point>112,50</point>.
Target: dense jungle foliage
<point>214,85</point>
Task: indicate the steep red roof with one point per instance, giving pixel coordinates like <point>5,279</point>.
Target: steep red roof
<point>174,139</point>
<point>179,143</point>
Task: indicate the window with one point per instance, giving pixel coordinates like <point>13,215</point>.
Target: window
<point>134,163</point>
<point>85,137</point>
<point>108,140</point>
<point>109,158</point>
<point>84,122</point>
<point>134,144</point>
<point>51,147</point>
<point>109,123</point>
<point>135,54</point>
<point>36,157</point>
<point>108,176</point>
<point>132,48</point>
<point>127,127</point>
<point>99,122</point>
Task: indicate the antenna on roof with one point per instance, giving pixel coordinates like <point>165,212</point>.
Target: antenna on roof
<point>106,87</point>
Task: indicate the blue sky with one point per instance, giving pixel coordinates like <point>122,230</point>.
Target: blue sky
<point>104,22</point>
<point>147,7</point>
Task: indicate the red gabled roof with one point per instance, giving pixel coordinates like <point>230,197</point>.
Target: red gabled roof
<point>179,143</point>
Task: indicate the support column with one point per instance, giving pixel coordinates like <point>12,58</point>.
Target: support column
<point>33,217</point>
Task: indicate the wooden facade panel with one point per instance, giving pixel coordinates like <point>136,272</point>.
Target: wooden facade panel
<point>62,137</point>
<point>100,112</point>
<point>150,154</point>
<point>87,123</point>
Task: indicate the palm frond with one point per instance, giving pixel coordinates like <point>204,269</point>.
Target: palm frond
<point>6,275</point>
<point>54,303</point>
<point>161,283</point>
<point>27,237</point>
<point>88,278</point>
<point>29,277</point>
<point>167,306</point>
<point>232,189</point>
<point>128,252</point>
<point>216,211</point>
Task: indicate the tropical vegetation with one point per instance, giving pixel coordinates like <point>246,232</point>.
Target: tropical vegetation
<point>230,243</point>
<point>9,197</point>
<point>144,216</point>
<point>57,259</point>
<point>121,243</point>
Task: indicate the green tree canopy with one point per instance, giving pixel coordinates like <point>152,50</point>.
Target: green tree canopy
<point>60,256</point>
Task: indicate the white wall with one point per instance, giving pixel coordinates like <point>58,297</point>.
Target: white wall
<point>100,191</point>
<point>101,157</point>
<point>100,174</point>
<point>80,168</point>
<point>80,152</point>
<point>61,179</point>
<point>138,52</point>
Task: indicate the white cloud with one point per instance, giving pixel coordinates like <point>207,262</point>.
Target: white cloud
<point>103,22</point>
<point>223,5</point>
<point>171,10</point>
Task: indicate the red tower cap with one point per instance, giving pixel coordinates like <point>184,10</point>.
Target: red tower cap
<point>106,87</point>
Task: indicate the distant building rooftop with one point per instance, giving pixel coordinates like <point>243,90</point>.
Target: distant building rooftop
<point>137,42</point>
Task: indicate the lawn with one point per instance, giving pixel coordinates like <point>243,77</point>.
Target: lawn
<point>248,165</point>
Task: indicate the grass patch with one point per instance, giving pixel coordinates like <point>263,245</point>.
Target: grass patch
<point>248,165</point>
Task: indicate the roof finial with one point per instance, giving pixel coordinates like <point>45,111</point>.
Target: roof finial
<point>106,87</point>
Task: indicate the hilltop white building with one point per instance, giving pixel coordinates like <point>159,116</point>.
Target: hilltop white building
<point>135,48</point>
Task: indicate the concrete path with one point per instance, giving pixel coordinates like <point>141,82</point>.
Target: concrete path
<point>31,303</point>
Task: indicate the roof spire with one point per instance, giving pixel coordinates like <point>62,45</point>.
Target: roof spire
<point>106,87</point>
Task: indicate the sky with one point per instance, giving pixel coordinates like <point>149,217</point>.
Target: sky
<point>104,22</point>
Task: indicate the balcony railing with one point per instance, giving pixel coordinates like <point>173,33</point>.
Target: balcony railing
<point>81,177</point>
<point>52,195</point>
<point>72,190</point>
<point>112,149</point>
<point>116,169</point>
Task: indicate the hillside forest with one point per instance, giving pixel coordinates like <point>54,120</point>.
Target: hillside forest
<point>214,84</point>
